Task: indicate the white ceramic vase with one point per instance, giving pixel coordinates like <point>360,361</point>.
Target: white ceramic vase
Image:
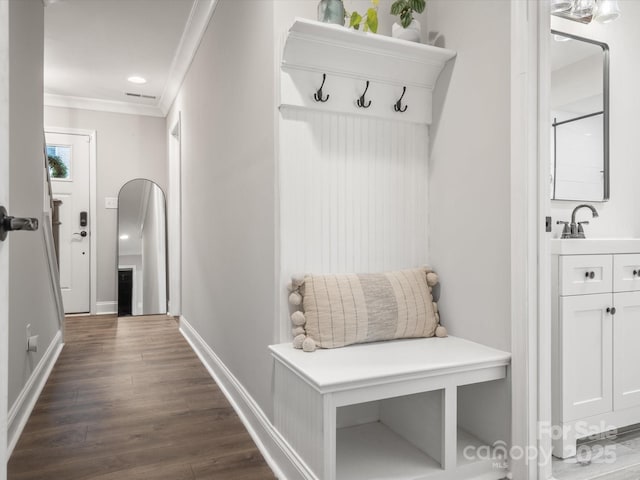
<point>411,33</point>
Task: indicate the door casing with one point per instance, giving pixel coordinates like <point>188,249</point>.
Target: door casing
<point>4,247</point>
<point>174,226</point>
<point>530,257</point>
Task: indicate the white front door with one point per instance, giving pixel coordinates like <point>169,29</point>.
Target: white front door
<point>69,154</point>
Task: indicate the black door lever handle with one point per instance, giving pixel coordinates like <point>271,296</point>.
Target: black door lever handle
<point>11,224</point>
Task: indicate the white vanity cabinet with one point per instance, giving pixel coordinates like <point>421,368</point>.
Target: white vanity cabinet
<point>596,330</point>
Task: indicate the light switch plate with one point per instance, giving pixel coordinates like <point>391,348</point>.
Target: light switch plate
<point>110,202</point>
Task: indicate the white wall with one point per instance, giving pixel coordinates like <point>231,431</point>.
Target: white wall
<point>469,191</point>
<point>618,217</point>
<point>469,228</point>
<point>128,147</point>
<point>228,202</point>
<point>28,268</point>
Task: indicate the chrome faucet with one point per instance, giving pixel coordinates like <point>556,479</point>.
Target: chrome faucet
<point>575,230</point>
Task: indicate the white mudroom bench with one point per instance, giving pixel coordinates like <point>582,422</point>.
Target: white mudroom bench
<point>385,410</point>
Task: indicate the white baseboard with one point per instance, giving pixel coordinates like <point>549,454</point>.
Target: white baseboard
<point>283,460</point>
<point>22,407</point>
<point>106,308</point>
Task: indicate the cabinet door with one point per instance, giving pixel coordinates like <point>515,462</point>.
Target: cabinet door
<point>626,352</point>
<point>587,355</point>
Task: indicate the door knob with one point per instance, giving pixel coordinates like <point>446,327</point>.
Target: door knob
<point>83,233</point>
<point>10,224</point>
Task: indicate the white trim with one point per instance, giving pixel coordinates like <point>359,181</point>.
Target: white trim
<point>93,218</point>
<point>174,227</point>
<point>542,37</point>
<point>106,308</point>
<point>114,106</point>
<point>6,129</point>
<point>525,229</point>
<point>281,458</point>
<point>93,209</point>
<point>194,30</point>
<point>22,407</point>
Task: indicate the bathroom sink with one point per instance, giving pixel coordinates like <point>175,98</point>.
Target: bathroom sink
<point>589,246</point>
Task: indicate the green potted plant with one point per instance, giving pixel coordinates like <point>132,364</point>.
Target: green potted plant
<point>409,27</point>
<point>368,20</point>
<point>57,167</point>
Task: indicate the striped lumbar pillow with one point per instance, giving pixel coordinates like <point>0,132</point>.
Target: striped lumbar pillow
<point>341,310</point>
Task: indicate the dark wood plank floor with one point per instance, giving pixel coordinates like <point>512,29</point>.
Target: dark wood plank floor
<point>128,399</point>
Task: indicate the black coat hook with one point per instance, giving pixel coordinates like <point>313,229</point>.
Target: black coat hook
<point>318,95</point>
<point>398,106</point>
<point>361,102</point>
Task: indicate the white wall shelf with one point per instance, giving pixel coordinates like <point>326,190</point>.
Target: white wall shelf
<point>349,58</point>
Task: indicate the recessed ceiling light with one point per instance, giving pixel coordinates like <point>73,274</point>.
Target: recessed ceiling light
<point>124,237</point>
<point>136,79</point>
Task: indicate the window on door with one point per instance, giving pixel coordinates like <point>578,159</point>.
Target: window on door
<point>59,158</point>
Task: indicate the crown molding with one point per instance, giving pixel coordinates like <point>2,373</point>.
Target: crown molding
<point>196,26</point>
<point>85,103</point>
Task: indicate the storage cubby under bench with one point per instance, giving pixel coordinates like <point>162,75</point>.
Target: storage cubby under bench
<point>406,394</point>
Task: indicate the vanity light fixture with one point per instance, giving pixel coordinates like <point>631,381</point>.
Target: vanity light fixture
<point>137,80</point>
<point>561,5</point>
<point>608,11</point>
<point>561,38</point>
<point>585,11</point>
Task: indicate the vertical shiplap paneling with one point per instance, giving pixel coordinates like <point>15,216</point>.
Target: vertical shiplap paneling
<point>298,416</point>
<point>353,195</point>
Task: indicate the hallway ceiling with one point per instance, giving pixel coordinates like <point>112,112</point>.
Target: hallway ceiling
<point>93,46</point>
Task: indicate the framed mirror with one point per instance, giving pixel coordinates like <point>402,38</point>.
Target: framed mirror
<point>142,252</point>
<point>579,118</point>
